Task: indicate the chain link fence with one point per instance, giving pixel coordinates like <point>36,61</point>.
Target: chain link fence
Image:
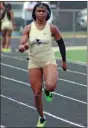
<point>68,20</point>
<point>72,25</point>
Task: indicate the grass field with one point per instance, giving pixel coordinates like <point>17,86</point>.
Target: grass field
<point>79,34</point>
<point>75,55</point>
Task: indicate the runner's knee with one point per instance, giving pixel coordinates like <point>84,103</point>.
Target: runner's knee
<point>37,91</point>
<point>50,86</point>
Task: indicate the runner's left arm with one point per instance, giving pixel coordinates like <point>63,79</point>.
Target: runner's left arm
<point>61,44</point>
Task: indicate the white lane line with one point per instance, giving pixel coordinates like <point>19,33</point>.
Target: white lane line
<point>47,113</point>
<point>74,62</point>
<point>1,126</point>
<point>69,60</point>
<point>58,94</point>
<point>19,58</point>
<point>10,66</point>
<point>81,73</point>
<point>14,57</point>
<point>73,82</point>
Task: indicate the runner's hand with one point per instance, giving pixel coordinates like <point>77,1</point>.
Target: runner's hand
<point>21,48</point>
<point>26,46</point>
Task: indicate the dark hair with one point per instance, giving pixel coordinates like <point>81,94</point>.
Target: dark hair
<point>43,4</point>
<point>8,6</point>
<point>7,10</point>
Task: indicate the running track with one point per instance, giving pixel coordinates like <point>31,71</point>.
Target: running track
<point>69,105</point>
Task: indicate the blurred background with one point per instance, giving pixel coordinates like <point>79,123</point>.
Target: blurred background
<point>69,16</point>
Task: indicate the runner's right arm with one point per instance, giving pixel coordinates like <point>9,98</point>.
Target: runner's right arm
<point>25,36</point>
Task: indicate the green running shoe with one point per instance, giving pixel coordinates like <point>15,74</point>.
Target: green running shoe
<point>41,122</point>
<point>48,95</point>
<point>8,50</point>
<point>4,50</point>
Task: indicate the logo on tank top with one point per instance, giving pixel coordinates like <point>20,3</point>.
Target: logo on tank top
<point>44,33</point>
<point>38,41</point>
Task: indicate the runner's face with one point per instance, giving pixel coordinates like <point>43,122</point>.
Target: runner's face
<point>41,13</point>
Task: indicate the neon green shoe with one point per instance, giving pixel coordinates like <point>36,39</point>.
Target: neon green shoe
<point>41,122</point>
<point>8,50</point>
<point>3,49</point>
<point>48,95</point>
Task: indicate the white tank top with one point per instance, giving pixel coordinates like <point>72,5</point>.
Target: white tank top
<point>5,18</point>
<point>40,43</point>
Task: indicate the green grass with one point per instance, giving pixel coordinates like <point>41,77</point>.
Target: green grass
<point>75,55</point>
<point>80,34</point>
